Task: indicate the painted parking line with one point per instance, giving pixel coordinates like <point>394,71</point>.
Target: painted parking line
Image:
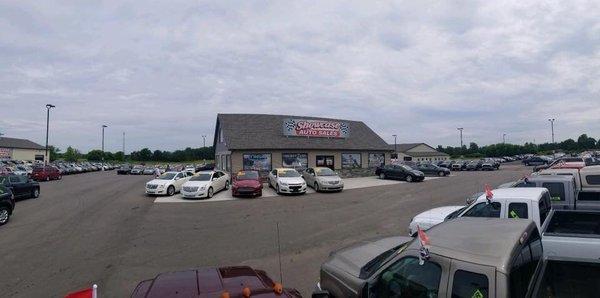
<point>225,195</point>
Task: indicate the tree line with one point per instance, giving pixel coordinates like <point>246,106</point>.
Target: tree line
<point>583,143</point>
<point>188,154</point>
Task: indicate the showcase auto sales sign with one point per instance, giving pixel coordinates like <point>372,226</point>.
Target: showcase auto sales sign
<point>315,128</point>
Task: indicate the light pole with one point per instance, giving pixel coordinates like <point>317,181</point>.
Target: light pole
<point>461,139</point>
<point>123,146</point>
<point>103,127</point>
<point>203,140</point>
<point>552,128</point>
<point>503,138</point>
<point>48,107</point>
<point>395,147</point>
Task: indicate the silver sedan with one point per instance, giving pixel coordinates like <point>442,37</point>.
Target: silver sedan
<point>323,179</point>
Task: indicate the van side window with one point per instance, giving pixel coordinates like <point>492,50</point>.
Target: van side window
<point>406,278</point>
<point>468,284</point>
<point>556,189</point>
<point>517,210</point>
<point>484,210</point>
<point>544,207</point>
<point>524,265</point>
<point>593,179</point>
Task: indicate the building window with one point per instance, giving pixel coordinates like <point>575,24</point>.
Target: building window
<point>218,161</point>
<point>351,160</point>
<point>298,161</point>
<point>260,162</point>
<point>376,160</point>
<point>228,163</point>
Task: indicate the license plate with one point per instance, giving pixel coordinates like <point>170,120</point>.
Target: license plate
<point>150,191</point>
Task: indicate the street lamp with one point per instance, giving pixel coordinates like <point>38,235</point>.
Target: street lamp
<point>503,138</point>
<point>552,127</point>
<point>103,126</point>
<point>395,147</point>
<point>48,107</point>
<point>204,140</point>
<point>461,138</point>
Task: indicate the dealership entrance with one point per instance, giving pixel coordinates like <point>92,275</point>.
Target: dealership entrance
<point>326,161</point>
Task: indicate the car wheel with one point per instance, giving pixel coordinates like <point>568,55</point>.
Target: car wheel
<point>210,193</point>
<point>409,178</point>
<point>60,177</point>
<point>441,174</point>
<point>35,193</point>
<point>316,187</point>
<point>4,215</point>
<point>47,178</point>
<point>171,190</point>
<point>382,176</point>
<point>277,189</point>
<point>227,185</point>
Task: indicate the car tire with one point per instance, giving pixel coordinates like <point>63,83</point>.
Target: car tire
<point>47,178</point>
<point>60,177</point>
<point>170,190</point>
<point>382,176</point>
<point>35,193</point>
<point>441,173</point>
<point>226,185</point>
<point>409,178</point>
<point>316,187</point>
<point>277,189</point>
<point>4,215</point>
<point>210,193</point>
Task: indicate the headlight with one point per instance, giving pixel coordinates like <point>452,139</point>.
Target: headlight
<point>161,186</point>
<point>203,188</point>
<point>283,183</point>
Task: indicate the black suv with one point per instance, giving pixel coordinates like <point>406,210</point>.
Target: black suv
<point>7,204</point>
<point>21,186</point>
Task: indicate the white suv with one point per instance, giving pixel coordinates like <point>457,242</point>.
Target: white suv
<point>287,181</point>
<point>168,183</point>
<point>205,184</point>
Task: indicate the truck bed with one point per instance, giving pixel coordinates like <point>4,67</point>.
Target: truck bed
<point>572,233</point>
<point>568,278</point>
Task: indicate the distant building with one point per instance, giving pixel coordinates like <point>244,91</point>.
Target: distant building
<point>21,149</point>
<point>265,142</point>
<point>418,152</point>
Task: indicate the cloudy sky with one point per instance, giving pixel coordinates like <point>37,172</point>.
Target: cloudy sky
<point>161,71</point>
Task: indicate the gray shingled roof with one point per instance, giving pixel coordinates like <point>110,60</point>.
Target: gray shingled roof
<point>260,131</point>
<point>19,143</point>
<point>426,154</point>
<point>404,146</point>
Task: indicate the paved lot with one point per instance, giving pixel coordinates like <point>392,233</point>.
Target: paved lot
<point>349,183</point>
<point>101,228</point>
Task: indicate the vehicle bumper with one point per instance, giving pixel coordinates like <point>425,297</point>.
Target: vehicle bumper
<point>156,191</point>
<point>331,187</point>
<point>286,189</point>
<point>195,195</point>
<point>244,192</point>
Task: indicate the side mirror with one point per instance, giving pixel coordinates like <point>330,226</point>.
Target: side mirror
<point>176,178</point>
<point>214,178</point>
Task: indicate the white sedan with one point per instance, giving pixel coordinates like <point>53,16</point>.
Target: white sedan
<point>432,217</point>
<point>287,181</point>
<point>205,184</point>
<point>167,184</point>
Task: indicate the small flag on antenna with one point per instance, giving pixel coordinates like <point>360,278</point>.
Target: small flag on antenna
<point>424,250</point>
<point>489,195</point>
<point>87,293</point>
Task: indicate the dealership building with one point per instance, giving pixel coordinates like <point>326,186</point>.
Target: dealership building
<point>21,149</point>
<point>418,152</point>
<point>265,142</point>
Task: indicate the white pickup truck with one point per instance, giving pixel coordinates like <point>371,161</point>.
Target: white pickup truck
<point>587,186</point>
<point>572,234</point>
<point>531,203</point>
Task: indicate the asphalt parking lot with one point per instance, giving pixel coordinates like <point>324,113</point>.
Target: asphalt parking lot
<point>101,228</point>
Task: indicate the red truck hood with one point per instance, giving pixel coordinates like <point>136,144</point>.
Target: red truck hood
<point>210,282</point>
<point>247,183</point>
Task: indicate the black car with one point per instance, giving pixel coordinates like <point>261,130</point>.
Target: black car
<point>536,161</point>
<point>7,204</point>
<point>474,166</point>
<point>21,186</point>
<point>431,169</point>
<point>445,164</point>
<point>403,172</point>
<point>124,170</point>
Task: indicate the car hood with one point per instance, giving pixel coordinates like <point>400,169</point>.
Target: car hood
<point>196,183</point>
<point>329,178</point>
<point>247,183</point>
<point>417,172</point>
<point>353,258</point>
<point>438,213</point>
<point>291,179</point>
<point>159,182</point>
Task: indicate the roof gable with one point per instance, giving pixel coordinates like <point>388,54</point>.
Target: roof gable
<point>19,144</point>
<point>262,131</point>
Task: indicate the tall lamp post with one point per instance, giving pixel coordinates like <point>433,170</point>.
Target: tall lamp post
<point>395,147</point>
<point>48,107</point>
<point>461,138</point>
<point>503,138</point>
<point>552,128</point>
<point>203,140</point>
<point>103,127</point>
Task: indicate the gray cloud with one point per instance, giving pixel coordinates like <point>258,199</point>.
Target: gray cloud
<point>162,71</point>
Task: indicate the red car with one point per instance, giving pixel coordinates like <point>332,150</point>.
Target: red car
<point>247,183</point>
<point>232,282</point>
<point>45,173</point>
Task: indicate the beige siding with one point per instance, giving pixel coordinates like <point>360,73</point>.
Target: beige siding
<point>26,154</point>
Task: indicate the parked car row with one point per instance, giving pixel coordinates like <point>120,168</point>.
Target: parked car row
<point>141,169</point>
<point>14,187</point>
<point>66,168</point>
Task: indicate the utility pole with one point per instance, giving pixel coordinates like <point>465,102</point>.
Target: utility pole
<point>461,138</point>
<point>204,141</point>
<point>503,138</point>
<point>552,128</point>
<point>123,145</point>
<point>395,147</point>
<point>103,126</point>
<point>48,107</point>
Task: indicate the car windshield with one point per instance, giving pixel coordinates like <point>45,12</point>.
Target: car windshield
<point>383,258</point>
<point>325,172</point>
<point>201,177</point>
<point>288,173</point>
<point>405,167</point>
<point>167,176</point>
<point>247,175</point>
<point>455,213</point>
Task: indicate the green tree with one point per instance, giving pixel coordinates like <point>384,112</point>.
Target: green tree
<point>71,154</point>
<point>145,154</point>
<point>584,142</point>
<point>94,155</point>
<point>119,156</point>
<point>54,153</point>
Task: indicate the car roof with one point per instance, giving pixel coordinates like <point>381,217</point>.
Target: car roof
<point>285,169</point>
<point>530,193</point>
<point>485,241</point>
<point>320,168</point>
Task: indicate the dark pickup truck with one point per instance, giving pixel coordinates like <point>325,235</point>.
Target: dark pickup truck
<point>21,186</point>
<point>7,204</point>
